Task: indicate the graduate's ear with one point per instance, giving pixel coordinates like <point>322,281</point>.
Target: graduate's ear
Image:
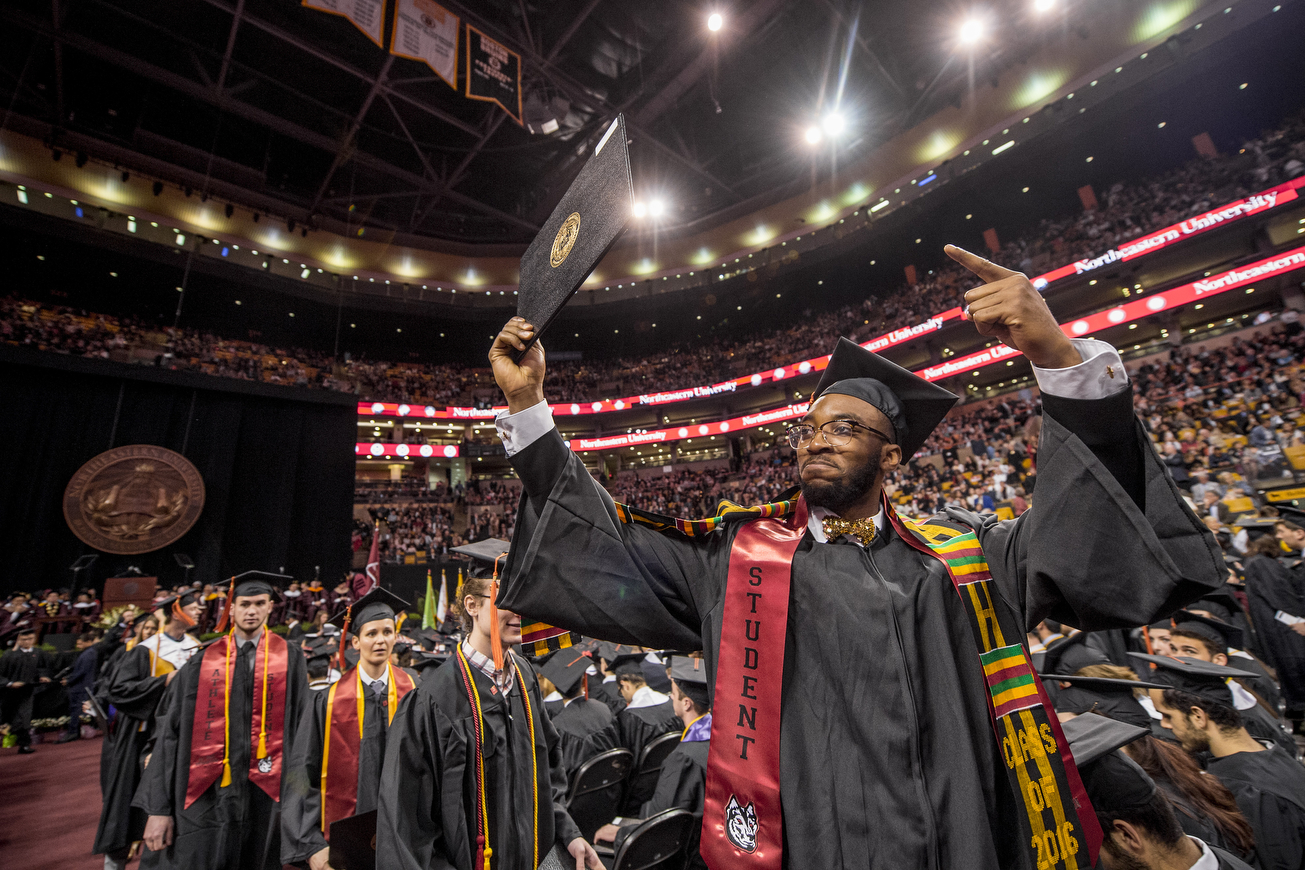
<point>890,458</point>
<point>1123,837</point>
<point>1219,659</point>
<point>355,642</point>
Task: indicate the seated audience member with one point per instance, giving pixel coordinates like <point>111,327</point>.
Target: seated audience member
<point>585,726</point>
<point>682,783</point>
<point>1268,783</point>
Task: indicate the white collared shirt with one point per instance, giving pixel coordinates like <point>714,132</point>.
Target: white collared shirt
<point>816,524</point>
<point>367,681</point>
<point>1208,860</point>
<point>645,696</point>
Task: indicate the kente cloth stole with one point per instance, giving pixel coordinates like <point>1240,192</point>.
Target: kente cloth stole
<point>210,751</point>
<point>1058,823</point>
<point>345,706</point>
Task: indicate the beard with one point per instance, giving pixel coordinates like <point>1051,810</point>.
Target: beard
<point>842,494</point>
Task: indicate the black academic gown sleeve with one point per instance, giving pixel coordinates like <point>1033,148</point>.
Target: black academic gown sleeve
<point>135,695</point>
<point>1269,788</point>
<point>1271,587</point>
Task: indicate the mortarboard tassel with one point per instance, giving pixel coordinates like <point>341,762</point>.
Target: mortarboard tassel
<point>225,620</point>
<point>495,636</point>
<point>179,614</point>
<point>344,634</point>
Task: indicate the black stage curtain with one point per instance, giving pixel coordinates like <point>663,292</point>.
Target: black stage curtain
<point>277,464</point>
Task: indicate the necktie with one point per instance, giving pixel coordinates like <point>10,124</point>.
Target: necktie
<point>863,530</point>
<point>378,691</point>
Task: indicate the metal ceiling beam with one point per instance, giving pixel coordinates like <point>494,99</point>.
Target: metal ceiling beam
<point>865,47</point>
<point>231,44</point>
<point>430,171</point>
<point>273,122</point>
<point>350,135</point>
<point>326,57</point>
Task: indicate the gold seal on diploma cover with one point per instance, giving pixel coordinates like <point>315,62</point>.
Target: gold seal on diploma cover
<point>133,499</point>
<point>565,240</point>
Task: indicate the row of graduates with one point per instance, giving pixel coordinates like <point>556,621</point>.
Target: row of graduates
<point>1219,754</point>
<point>221,755</point>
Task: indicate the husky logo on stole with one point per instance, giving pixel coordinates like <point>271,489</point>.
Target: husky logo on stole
<point>741,825</point>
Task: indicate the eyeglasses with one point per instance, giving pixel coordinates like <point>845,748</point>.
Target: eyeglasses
<point>836,432</point>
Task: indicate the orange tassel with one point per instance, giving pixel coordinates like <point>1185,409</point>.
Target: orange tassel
<point>344,634</point>
<point>225,621</point>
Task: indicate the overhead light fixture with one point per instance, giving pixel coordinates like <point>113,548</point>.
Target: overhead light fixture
<point>971,31</point>
<point>715,22</point>
<point>1043,5</point>
<point>834,124</point>
<point>813,135</point>
<point>656,208</point>
<point>639,210</point>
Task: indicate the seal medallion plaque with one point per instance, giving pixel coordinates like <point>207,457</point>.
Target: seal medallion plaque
<point>133,499</point>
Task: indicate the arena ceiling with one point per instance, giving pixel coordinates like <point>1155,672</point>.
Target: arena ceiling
<point>299,107</point>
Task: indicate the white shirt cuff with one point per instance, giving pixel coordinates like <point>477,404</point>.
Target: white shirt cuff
<point>518,431</point>
<point>1101,373</point>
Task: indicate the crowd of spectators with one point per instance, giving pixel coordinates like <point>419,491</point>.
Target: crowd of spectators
<point>1122,213</point>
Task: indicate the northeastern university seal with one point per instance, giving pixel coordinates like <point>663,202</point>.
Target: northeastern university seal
<point>133,499</point>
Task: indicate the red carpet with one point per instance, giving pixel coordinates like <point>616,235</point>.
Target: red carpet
<point>51,807</point>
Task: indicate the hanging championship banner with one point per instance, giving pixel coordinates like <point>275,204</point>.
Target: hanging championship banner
<point>493,73</point>
<point>366,15</point>
<point>426,31</point>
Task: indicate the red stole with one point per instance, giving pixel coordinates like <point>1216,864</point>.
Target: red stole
<point>210,751</point>
<point>343,737</point>
<point>742,825</point>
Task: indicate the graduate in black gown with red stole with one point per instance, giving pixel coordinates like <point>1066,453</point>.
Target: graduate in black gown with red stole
<point>473,775</point>
<point>212,788</point>
<point>335,769</point>
<point>857,710</point>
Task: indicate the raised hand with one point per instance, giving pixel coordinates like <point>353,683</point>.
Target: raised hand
<point>523,384</point>
<point>1009,308</point>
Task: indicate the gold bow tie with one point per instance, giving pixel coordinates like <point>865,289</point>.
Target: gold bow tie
<point>863,530</point>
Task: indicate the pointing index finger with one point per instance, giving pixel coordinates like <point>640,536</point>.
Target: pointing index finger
<point>985,269</point>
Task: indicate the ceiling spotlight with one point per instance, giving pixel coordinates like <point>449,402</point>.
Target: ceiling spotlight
<point>715,22</point>
<point>639,210</point>
<point>834,123</point>
<point>971,31</point>
<point>813,135</point>
<point>656,208</point>
<point>1043,5</point>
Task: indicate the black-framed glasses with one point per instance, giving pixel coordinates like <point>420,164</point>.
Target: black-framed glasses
<point>836,432</point>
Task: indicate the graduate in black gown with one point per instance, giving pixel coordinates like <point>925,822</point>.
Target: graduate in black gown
<point>1142,831</point>
<point>473,775</point>
<point>1268,783</point>
<point>212,788</point>
<point>1277,602</point>
<point>24,671</point>
<point>648,713</point>
<point>1211,640</point>
<point>1204,807</point>
<point>604,687</point>
<point>584,726</point>
<point>887,755</point>
<point>682,783</point>
<point>134,689</point>
<point>351,776</point>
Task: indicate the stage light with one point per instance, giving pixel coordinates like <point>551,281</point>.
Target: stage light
<point>715,22</point>
<point>834,124</point>
<point>1043,5</point>
<point>656,208</point>
<point>971,31</point>
<point>814,135</point>
<point>639,210</point>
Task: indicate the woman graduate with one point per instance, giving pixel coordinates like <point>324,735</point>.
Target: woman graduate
<point>335,769</point>
<point>473,774</point>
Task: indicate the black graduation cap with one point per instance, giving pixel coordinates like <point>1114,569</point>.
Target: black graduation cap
<point>258,583</point>
<point>377,604</point>
<point>1221,602</point>
<point>565,669</point>
<point>629,664</point>
<point>1206,680</point>
<point>690,675</point>
<point>141,617</point>
<point>1219,633</point>
<point>1070,654</point>
<point>1107,697</point>
<point>1112,780</point>
<point>610,652</point>
<point>582,228</point>
<point>487,552</point>
<point>423,660</point>
<point>912,404</point>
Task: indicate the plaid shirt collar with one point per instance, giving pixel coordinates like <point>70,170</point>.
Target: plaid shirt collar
<point>502,680</point>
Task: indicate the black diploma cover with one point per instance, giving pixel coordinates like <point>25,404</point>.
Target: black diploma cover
<point>590,218</point>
